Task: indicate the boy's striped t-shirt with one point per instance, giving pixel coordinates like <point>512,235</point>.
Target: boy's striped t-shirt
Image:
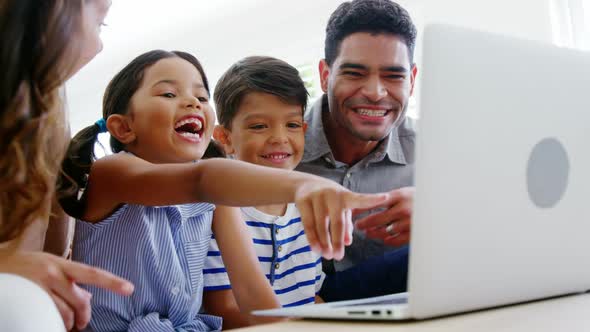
<point>294,271</point>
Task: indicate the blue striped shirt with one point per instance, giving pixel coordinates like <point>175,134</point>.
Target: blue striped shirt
<point>162,251</point>
<point>293,270</point>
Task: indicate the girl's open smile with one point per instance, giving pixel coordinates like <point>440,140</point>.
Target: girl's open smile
<point>190,128</point>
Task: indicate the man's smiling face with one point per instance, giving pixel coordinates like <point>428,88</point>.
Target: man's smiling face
<point>369,84</point>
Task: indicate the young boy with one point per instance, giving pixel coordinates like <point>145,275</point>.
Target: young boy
<point>260,103</point>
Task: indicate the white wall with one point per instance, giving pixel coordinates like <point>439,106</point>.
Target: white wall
<point>523,18</point>
<point>217,35</point>
<point>220,32</point>
<point>527,19</point>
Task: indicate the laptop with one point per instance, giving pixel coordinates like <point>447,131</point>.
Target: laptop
<point>501,210</point>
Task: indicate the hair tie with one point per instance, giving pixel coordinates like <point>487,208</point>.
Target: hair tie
<point>102,125</point>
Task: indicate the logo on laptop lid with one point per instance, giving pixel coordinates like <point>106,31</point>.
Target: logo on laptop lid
<point>547,173</point>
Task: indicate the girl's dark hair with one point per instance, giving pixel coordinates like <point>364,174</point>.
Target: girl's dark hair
<point>118,94</point>
<point>38,49</point>
<point>214,150</point>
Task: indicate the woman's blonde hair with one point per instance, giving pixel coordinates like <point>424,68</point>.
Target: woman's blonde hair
<point>36,56</point>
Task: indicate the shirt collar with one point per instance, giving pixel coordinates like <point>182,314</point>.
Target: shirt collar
<point>316,143</point>
<point>394,148</point>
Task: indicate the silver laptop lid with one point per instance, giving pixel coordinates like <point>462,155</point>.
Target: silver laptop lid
<point>502,210</point>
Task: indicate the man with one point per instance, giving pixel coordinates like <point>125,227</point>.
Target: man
<point>358,133</point>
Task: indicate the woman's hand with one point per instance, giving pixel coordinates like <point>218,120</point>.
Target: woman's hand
<point>59,277</point>
<point>326,214</point>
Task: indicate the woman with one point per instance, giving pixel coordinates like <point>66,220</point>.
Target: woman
<point>44,42</point>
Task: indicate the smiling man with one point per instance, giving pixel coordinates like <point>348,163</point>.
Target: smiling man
<point>358,133</point>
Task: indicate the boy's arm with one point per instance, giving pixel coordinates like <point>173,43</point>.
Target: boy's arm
<point>218,298</point>
<point>222,303</point>
<point>250,288</point>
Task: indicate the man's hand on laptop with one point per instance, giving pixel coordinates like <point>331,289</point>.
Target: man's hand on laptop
<point>393,224</point>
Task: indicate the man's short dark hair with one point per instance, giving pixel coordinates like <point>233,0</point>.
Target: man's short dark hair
<point>257,74</point>
<point>371,16</point>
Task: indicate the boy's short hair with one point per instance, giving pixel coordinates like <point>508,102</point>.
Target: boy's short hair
<point>257,74</point>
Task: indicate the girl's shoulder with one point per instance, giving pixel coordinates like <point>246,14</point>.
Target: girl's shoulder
<point>115,166</point>
<point>121,160</point>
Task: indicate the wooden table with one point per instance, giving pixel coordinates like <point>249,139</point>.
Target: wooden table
<point>568,314</point>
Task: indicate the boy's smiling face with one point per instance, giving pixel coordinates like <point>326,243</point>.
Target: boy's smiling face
<point>265,131</point>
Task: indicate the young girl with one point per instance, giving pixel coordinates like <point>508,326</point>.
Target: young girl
<point>138,212</point>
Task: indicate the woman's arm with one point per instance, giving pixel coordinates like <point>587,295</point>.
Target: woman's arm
<point>250,288</point>
<point>57,238</point>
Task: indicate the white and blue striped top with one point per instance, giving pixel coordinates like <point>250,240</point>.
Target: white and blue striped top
<point>162,251</point>
<point>294,271</point>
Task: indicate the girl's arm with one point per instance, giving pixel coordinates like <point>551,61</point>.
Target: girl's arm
<point>250,288</point>
<point>324,204</point>
<point>124,178</point>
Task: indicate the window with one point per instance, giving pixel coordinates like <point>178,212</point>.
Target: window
<point>311,79</point>
<point>571,23</point>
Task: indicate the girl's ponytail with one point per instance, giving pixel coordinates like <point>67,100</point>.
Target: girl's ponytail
<point>76,168</point>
